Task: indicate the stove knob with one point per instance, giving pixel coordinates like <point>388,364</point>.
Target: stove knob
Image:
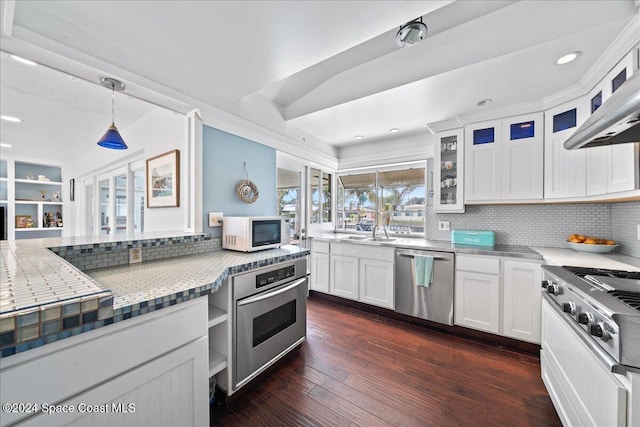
<point>546,283</point>
<point>585,318</point>
<point>569,307</point>
<point>599,330</point>
<point>553,289</point>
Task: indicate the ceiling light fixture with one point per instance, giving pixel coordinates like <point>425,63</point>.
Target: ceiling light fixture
<point>359,137</point>
<point>10,119</point>
<point>24,60</point>
<point>111,138</point>
<point>569,57</point>
<point>411,33</point>
<point>5,145</point>
<point>394,130</point>
<point>484,102</point>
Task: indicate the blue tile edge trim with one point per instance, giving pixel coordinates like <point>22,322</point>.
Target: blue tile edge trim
<point>153,304</point>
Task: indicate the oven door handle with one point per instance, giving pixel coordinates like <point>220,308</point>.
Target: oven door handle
<point>279,291</point>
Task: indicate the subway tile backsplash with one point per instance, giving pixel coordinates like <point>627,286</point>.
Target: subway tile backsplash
<point>545,225</point>
<point>625,218</point>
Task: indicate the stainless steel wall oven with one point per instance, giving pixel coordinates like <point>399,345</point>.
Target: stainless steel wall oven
<point>269,317</point>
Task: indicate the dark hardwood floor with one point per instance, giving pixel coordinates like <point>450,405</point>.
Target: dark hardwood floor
<point>363,369</point>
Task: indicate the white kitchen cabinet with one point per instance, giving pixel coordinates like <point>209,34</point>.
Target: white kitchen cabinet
<point>583,390</point>
<point>344,276</point>
<point>521,302</point>
<point>612,168</point>
<point>483,161</point>
<point>376,282</point>
<point>448,179</point>
<point>477,301</point>
<point>523,157</point>
<point>564,170</point>
<point>362,272</point>
<point>499,295</point>
<point>319,278</point>
<point>135,361</point>
<point>504,159</point>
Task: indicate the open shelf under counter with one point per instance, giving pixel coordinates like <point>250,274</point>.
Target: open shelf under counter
<point>217,362</point>
<point>216,316</point>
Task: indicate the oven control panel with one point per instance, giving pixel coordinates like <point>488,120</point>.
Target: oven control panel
<point>274,276</point>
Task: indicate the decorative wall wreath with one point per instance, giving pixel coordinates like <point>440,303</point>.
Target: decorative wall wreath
<point>246,190</point>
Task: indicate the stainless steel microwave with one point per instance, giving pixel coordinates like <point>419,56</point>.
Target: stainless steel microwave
<point>254,233</point>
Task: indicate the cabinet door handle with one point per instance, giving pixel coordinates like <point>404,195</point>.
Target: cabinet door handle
<point>267,295</point>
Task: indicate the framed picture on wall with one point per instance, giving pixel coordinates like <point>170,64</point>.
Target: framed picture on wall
<point>163,180</point>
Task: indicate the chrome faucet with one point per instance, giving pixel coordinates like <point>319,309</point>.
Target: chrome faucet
<point>375,227</point>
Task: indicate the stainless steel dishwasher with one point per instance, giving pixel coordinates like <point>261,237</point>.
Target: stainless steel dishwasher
<point>435,302</point>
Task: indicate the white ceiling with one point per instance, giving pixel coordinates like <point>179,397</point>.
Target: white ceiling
<point>330,69</point>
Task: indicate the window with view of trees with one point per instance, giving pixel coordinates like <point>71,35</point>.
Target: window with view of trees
<point>394,199</point>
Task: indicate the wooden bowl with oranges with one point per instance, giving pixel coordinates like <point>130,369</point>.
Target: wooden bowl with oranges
<point>582,243</point>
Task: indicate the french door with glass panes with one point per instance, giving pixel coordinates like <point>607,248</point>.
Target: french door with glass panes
<point>119,202</point>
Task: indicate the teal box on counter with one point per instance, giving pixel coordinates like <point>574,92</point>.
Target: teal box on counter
<point>473,237</point>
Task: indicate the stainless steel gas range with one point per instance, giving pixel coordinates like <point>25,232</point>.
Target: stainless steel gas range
<point>590,353</point>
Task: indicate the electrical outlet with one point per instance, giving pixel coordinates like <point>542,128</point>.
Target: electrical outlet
<point>135,255</point>
<point>443,225</point>
<point>215,219</point>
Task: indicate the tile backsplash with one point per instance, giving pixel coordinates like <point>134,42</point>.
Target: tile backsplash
<point>116,254</point>
<point>545,225</point>
<point>625,218</point>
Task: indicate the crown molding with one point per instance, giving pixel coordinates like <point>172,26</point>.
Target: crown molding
<point>628,39</point>
<point>444,125</point>
<point>504,111</point>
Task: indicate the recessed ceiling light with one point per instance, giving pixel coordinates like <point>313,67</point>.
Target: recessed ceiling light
<point>5,145</point>
<point>24,60</point>
<point>359,137</point>
<point>10,119</point>
<point>394,130</point>
<point>484,102</point>
<point>565,59</point>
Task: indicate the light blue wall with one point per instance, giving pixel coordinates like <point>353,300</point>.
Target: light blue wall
<point>223,156</point>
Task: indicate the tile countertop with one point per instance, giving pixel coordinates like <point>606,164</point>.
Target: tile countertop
<point>160,280</point>
<point>437,245</point>
<point>44,298</point>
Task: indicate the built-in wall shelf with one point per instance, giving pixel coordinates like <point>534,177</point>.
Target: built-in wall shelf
<point>216,316</point>
<point>217,362</point>
<point>37,181</point>
<point>39,229</point>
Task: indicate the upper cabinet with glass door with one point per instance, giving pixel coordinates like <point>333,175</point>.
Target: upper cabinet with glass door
<point>448,176</point>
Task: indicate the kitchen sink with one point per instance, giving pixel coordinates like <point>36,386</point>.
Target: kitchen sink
<point>357,238</point>
<point>382,239</point>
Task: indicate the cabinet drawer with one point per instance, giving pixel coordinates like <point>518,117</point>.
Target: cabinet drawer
<point>479,264</point>
<point>319,246</point>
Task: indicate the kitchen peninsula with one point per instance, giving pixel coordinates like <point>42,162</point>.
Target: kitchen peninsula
<point>130,335</point>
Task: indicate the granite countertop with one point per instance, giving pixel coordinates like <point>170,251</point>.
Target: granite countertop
<point>437,245</point>
<point>44,298</point>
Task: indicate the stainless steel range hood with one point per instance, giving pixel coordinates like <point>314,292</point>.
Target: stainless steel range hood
<point>615,122</point>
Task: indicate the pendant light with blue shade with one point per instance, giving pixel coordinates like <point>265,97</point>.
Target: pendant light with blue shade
<point>111,138</point>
